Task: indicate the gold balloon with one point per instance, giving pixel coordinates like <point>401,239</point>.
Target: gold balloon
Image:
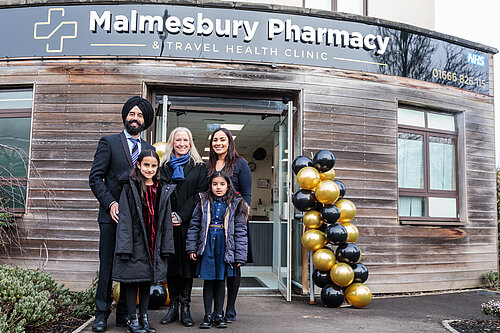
<point>347,210</point>
<point>308,178</point>
<point>352,232</point>
<point>160,148</point>
<point>167,302</point>
<point>312,219</point>
<point>313,239</point>
<point>342,274</point>
<point>327,192</point>
<point>330,174</point>
<point>323,259</point>
<point>358,295</point>
<point>116,292</point>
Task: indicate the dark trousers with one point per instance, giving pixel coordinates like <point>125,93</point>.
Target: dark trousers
<point>103,297</point>
<point>179,289</point>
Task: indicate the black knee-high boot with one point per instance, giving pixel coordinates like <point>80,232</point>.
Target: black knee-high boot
<point>186,285</point>
<point>173,310</point>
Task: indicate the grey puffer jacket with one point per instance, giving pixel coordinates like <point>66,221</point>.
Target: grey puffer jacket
<point>133,262</point>
<point>235,228</point>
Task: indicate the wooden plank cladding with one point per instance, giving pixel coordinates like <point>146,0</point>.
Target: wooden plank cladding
<point>355,116</point>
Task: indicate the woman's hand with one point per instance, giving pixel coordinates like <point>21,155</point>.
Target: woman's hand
<point>192,256</point>
<point>176,219</point>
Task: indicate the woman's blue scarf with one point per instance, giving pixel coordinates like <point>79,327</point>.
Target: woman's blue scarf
<point>177,164</point>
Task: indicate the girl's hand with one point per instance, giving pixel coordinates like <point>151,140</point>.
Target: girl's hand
<point>192,256</point>
<point>239,264</point>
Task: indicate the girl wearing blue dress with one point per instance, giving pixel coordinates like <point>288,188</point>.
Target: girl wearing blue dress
<point>224,157</point>
<point>217,240</point>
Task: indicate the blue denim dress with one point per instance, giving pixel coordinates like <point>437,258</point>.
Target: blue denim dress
<point>212,265</point>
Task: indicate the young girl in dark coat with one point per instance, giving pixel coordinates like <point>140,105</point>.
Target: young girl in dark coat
<point>143,237</point>
<point>217,239</point>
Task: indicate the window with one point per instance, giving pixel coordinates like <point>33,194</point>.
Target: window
<point>427,160</point>
<point>15,130</point>
<point>358,7</point>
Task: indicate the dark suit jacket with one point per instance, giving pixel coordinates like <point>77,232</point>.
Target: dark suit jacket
<point>112,162</point>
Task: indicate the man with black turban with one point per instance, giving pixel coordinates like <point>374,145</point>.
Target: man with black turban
<point>115,156</point>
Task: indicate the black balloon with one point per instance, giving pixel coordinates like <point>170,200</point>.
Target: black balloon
<point>304,200</point>
<point>301,162</point>
<point>319,206</point>
<point>323,227</point>
<point>330,213</point>
<point>360,272</point>
<point>336,233</point>
<point>332,296</point>
<point>321,278</point>
<point>341,188</point>
<point>157,296</point>
<point>348,253</point>
<point>324,160</point>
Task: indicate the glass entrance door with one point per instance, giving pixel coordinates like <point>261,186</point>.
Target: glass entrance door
<point>257,125</point>
<point>285,205</point>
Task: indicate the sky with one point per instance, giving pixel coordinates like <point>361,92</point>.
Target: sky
<point>478,21</point>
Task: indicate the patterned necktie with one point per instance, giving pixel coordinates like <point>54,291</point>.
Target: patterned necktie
<point>135,150</point>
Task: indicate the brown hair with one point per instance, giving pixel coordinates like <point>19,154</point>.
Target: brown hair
<point>230,195</point>
<point>231,156</point>
<point>139,178</point>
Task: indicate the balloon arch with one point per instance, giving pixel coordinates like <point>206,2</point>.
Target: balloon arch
<point>328,219</point>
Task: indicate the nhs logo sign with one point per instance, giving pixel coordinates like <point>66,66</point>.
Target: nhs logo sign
<point>475,59</point>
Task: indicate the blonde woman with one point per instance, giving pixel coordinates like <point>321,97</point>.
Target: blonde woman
<point>181,164</point>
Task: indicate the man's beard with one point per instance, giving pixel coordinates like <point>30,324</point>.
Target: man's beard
<point>134,130</point>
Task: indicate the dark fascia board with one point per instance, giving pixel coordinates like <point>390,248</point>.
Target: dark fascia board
<point>265,8</point>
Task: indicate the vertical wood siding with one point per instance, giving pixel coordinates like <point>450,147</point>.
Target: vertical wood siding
<point>351,113</point>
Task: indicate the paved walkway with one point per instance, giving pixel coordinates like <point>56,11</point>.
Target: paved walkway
<point>397,314</point>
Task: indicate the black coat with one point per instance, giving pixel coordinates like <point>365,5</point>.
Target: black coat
<point>184,201</point>
<point>133,262</point>
<point>111,163</point>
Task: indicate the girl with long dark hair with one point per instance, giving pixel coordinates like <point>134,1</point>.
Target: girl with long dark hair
<point>144,237</point>
<point>217,240</point>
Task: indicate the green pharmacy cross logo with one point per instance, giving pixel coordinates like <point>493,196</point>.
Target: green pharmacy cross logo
<point>55,30</point>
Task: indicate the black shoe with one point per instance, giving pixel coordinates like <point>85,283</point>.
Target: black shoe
<point>186,318</point>
<point>100,324</point>
<point>143,320</point>
<point>219,321</point>
<point>207,322</point>
<point>134,326</point>
<point>121,320</point>
<point>172,313</point>
<point>230,316</point>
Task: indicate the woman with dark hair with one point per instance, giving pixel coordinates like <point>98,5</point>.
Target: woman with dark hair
<point>224,157</point>
<point>181,164</point>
